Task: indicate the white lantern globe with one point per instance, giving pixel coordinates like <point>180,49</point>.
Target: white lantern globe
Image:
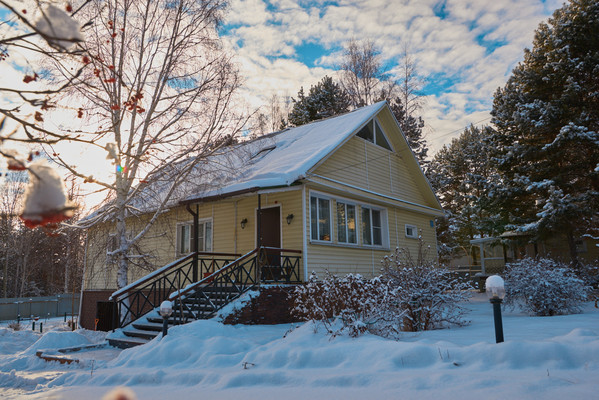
<point>166,309</point>
<point>495,287</point>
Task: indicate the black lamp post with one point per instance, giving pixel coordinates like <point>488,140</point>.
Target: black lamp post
<point>496,291</point>
<point>166,310</point>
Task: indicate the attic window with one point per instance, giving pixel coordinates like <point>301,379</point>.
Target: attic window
<point>262,152</point>
<point>373,132</point>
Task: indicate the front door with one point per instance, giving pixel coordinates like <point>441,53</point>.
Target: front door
<point>271,237</point>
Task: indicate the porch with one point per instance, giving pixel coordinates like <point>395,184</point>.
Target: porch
<point>198,285</point>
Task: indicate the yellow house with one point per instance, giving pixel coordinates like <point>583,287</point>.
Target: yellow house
<point>336,194</point>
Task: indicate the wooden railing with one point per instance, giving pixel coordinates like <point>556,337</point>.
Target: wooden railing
<point>145,294</point>
<point>221,277</point>
<point>204,298</point>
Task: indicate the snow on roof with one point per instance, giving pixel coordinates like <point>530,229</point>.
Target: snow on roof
<point>274,160</point>
<point>281,158</point>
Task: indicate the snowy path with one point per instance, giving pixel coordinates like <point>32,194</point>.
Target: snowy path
<point>548,357</point>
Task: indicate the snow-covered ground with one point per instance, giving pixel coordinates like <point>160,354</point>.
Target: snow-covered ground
<point>542,357</point>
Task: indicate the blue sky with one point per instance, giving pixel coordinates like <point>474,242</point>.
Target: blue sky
<point>464,49</point>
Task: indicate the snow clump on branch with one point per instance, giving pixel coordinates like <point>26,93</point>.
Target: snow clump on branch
<point>58,28</point>
<point>46,202</point>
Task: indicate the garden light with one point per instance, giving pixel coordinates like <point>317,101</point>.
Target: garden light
<point>166,310</point>
<point>496,291</point>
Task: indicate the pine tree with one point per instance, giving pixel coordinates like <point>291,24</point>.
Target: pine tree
<point>324,100</point>
<point>465,180</point>
<point>547,119</point>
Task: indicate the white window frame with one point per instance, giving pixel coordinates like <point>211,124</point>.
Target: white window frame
<point>319,197</point>
<point>384,227</point>
<point>207,239</point>
<point>414,229</point>
<point>345,226</point>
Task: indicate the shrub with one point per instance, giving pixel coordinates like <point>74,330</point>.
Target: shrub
<point>411,295</point>
<point>429,296</point>
<point>350,304</point>
<point>544,287</point>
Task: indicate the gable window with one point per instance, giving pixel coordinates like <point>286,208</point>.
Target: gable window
<point>411,231</point>
<point>320,218</point>
<point>185,237</point>
<point>372,226</point>
<point>373,132</point>
<point>346,223</point>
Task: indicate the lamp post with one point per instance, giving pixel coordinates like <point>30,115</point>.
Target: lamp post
<point>496,291</point>
<point>166,310</point>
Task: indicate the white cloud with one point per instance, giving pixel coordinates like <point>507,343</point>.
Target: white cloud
<point>473,44</point>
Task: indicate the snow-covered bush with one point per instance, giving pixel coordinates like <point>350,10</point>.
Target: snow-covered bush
<point>350,304</point>
<point>428,296</point>
<point>544,287</point>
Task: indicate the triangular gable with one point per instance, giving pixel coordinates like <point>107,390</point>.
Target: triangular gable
<point>399,146</point>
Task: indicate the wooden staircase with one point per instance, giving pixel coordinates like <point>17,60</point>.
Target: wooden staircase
<point>223,282</point>
<point>149,326</point>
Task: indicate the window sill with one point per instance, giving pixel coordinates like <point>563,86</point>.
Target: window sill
<point>349,246</point>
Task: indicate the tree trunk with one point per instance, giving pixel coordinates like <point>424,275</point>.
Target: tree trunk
<point>573,251</point>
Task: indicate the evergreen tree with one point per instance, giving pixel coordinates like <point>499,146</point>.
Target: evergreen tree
<point>547,119</point>
<point>464,178</point>
<point>324,100</point>
<point>412,129</point>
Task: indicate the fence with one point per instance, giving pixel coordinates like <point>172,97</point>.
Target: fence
<point>43,307</point>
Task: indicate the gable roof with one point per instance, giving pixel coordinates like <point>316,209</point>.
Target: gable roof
<point>281,158</point>
<point>275,160</point>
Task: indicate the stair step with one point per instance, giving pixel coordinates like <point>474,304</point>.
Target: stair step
<point>158,320</point>
<point>125,343</point>
<point>138,333</point>
<point>148,326</point>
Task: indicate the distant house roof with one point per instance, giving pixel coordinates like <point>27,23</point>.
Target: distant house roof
<point>278,159</point>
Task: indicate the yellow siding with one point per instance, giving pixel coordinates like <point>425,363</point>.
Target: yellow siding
<point>366,165</point>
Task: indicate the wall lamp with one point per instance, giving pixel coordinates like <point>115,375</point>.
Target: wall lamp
<point>244,223</point>
<point>289,219</point>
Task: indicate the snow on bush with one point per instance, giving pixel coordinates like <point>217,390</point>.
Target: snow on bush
<point>544,287</point>
<point>410,295</point>
<point>429,296</point>
<point>350,304</point>
<point>46,202</point>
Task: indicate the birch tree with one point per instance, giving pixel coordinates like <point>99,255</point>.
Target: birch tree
<point>155,93</point>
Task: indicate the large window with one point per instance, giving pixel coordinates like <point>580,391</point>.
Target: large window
<point>372,226</point>
<point>346,223</point>
<point>320,218</point>
<point>185,237</point>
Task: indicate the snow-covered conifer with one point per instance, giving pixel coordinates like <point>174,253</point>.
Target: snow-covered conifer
<point>547,123</point>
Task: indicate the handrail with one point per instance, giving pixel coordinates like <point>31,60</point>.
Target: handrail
<point>148,278</point>
<point>166,269</point>
<point>177,294</point>
<point>283,250</point>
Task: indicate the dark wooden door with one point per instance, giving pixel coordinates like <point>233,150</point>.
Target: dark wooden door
<point>271,237</point>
